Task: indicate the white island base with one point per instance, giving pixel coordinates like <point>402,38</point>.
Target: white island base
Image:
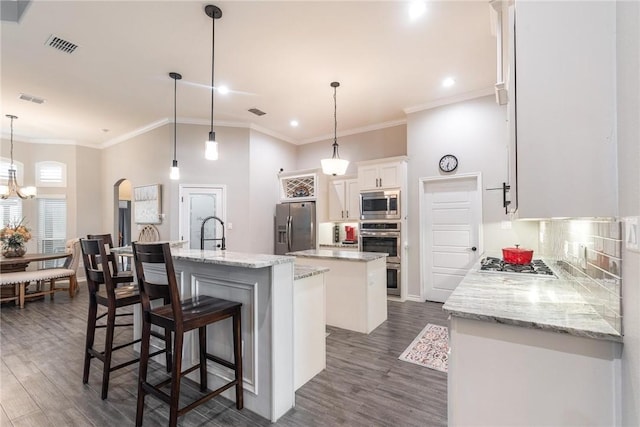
<point>356,287</point>
<point>505,375</point>
<point>264,286</point>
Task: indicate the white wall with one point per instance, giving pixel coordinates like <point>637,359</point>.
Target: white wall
<point>628,133</point>
<point>476,132</point>
<point>267,156</point>
<point>146,160</point>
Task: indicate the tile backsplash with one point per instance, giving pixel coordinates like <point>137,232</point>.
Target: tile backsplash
<point>589,250</point>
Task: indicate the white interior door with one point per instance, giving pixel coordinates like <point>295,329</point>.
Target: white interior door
<point>196,204</point>
<point>451,220</point>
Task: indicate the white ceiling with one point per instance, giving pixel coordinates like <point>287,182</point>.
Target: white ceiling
<point>279,57</point>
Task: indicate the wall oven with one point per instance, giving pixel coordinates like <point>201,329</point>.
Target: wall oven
<point>380,204</point>
<point>384,237</point>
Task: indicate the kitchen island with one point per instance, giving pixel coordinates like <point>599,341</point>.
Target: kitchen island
<point>356,286</point>
<point>536,352</point>
<point>264,286</point>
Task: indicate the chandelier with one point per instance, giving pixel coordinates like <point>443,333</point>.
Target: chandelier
<point>12,188</point>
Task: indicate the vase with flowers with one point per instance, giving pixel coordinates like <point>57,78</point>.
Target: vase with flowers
<point>14,236</point>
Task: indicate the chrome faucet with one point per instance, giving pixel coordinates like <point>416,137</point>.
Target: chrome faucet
<point>202,239</point>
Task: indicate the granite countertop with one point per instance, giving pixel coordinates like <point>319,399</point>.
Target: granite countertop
<point>339,255</point>
<point>233,259</point>
<point>303,271</point>
<point>546,303</point>
<point>338,245</point>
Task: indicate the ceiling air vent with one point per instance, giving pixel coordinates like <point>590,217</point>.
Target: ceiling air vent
<point>257,112</point>
<point>61,44</point>
<point>34,99</point>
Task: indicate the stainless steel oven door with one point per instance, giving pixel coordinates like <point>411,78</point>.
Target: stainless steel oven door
<point>393,279</point>
<point>387,242</point>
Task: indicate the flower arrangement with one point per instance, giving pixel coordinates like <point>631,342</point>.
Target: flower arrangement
<point>14,236</point>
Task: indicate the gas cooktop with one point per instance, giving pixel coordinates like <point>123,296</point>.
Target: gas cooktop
<point>536,266</point>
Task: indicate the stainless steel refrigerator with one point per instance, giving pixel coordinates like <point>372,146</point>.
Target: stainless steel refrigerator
<point>295,227</point>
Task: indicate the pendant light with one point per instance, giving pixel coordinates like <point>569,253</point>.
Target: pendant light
<point>211,146</point>
<point>12,188</point>
<point>335,165</point>
<point>175,171</point>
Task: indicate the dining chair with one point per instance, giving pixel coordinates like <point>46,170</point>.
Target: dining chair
<point>118,275</point>
<point>98,275</point>
<point>181,316</point>
<point>68,270</point>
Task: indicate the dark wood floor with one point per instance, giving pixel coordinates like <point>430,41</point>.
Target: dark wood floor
<point>364,384</point>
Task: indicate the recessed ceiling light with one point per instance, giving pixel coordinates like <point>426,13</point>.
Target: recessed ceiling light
<point>294,123</point>
<point>448,82</point>
<point>223,90</point>
<point>417,9</point>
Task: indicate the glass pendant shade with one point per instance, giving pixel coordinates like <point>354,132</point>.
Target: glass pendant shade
<point>334,166</point>
<point>175,171</point>
<point>12,189</point>
<point>211,147</point>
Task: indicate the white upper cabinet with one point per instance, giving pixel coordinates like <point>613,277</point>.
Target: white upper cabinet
<point>344,200</point>
<point>381,176</point>
<point>565,108</point>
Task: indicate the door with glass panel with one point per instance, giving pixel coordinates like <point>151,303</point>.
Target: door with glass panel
<point>197,203</point>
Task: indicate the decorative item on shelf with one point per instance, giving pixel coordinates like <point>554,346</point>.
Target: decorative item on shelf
<point>301,191</point>
<point>335,165</point>
<point>14,236</point>
<point>12,188</point>
<point>211,146</point>
<point>175,171</point>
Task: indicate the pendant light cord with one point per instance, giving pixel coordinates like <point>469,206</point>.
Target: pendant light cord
<point>11,117</point>
<point>175,122</point>
<point>335,124</point>
<point>213,41</point>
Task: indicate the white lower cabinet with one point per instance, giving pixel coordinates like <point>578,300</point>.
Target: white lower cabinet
<point>504,375</point>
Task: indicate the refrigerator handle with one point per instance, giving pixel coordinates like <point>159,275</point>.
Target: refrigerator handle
<point>289,223</point>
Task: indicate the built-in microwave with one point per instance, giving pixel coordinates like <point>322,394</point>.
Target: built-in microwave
<point>380,204</point>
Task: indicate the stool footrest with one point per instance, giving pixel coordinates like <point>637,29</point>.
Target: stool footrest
<point>220,361</point>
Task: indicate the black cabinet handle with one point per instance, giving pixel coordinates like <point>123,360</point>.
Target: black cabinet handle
<point>505,202</point>
<point>473,248</point>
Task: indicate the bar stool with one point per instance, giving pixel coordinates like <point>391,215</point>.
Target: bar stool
<point>97,274</point>
<point>181,317</point>
<point>118,276</point>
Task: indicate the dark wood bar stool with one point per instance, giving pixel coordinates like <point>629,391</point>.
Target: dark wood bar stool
<point>181,317</point>
<point>117,274</point>
<point>98,275</point>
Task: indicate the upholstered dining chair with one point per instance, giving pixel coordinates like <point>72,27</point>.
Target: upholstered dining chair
<point>68,271</point>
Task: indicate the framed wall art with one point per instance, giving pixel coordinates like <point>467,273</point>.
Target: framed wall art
<point>147,204</point>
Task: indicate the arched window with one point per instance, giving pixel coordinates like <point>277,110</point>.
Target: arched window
<point>51,174</point>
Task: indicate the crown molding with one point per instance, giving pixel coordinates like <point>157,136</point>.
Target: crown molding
<point>136,132</point>
<point>355,131</point>
<point>450,100</point>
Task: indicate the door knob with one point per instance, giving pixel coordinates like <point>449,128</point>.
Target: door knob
<point>473,248</point>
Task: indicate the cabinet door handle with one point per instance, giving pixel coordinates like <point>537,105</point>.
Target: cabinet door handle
<point>342,214</point>
<point>347,214</point>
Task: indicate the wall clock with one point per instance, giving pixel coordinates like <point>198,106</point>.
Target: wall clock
<point>448,163</point>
